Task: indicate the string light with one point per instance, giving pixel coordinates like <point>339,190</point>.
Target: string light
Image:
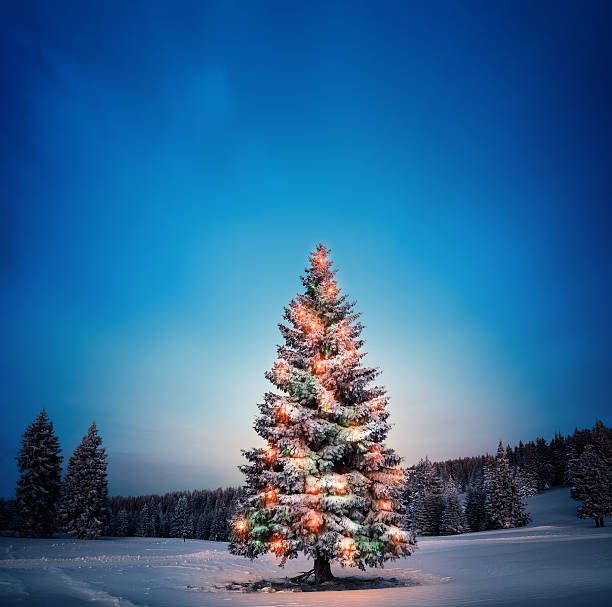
<point>396,535</point>
<point>240,526</point>
<point>270,454</point>
<point>277,545</point>
<point>347,545</point>
<point>330,289</point>
<point>314,520</point>
<point>340,485</point>
<point>312,486</point>
<point>319,366</point>
<point>270,495</point>
<point>385,504</point>
<point>282,412</point>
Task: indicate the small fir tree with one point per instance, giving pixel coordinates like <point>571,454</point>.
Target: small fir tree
<point>503,505</point>
<point>425,498</point>
<point>123,523</point>
<point>82,509</point>
<point>39,485</point>
<point>325,484</point>
<point>593,482</point>
<point>475,511</point>
<point>181,519</point>
<point>453,518</point>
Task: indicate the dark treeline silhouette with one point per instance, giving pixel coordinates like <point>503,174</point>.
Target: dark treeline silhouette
<point>545,461</point>
<point>201,514</point>
<point>496,487</point>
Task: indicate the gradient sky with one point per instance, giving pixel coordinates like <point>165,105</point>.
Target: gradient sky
<point>166,167</point>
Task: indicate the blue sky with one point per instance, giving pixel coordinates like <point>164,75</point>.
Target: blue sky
<point>166,168</point>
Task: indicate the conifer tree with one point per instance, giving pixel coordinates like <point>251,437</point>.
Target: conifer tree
<point>475,512</point>
<point>123,523</point>
<point>82,510</point>
<point>593,481</point>
<point>144,522</point>
<point>453,520</point>
<point>181,519</point>
<point>325,484</point>
<point>503,505</point>
<point>38,488</point>
<point>425,498</point>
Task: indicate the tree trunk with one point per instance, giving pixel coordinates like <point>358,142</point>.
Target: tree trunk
<point>322,570</point>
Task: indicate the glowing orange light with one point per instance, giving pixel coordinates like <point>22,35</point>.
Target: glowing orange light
<point>270,495</point>
<point>375,450</point>
<point>240,526</point>
<point>298,462</point>
<point>277,545</point>
<point>312,486</point>
<point>340,485</point>
<point>331,289</point>
<point>270,454</point>
<point>347,545</point>
<point>397,473</point>
<point>319,366</point>
<point>320,259</point>
<point>282,412</point>
<point>396,535</point>
<point>314,520</point>
<point>385,505</point>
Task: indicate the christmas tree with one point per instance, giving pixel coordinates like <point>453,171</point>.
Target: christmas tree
<point>83,506</point>
<point>39,485</point>
<point>325,484</point>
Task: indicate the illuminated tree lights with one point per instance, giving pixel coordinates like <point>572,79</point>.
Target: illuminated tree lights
<point>326,485</point>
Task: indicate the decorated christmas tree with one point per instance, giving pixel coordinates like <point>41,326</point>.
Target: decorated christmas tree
<point>324,485</point>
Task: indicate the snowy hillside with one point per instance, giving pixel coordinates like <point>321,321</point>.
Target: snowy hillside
<point>556,560</point>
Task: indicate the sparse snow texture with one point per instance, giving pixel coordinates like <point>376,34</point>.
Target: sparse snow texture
<point>557,560</point>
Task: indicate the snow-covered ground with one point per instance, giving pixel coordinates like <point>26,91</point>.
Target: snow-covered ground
<point>557,560</point>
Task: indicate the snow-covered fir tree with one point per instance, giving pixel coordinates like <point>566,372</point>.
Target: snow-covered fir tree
<point>453,520</point>
<point>181,525</point>
<point>122,523</point>
<point>475,512</point>
<point>425,495</point>
<point>526,482</point>
<point>39,485</point>
<point>144,529</point>
<point>325,484</point>
<point>592,478</point>
<point>82,510</point>
<point>503,505</point>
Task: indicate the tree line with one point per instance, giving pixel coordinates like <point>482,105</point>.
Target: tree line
<point>495,488</point>
<point>201,514</point>
<point>443,498</point>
